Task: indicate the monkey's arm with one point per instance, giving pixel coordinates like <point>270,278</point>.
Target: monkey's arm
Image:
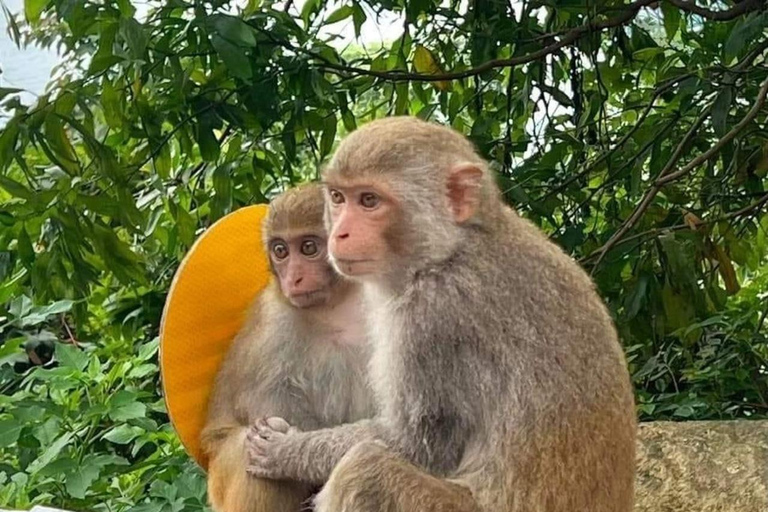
<point>287,453</point>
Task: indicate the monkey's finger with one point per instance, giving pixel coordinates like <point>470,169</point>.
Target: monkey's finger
<point>257,469</point>
<point>279,424</point>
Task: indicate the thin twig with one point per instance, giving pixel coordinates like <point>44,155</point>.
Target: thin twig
<point>727,15</point>
<point>666,176</point>
<point>651,193</point>
<point>755,206</point>
<point>72,338</point>
<point>722,142</point>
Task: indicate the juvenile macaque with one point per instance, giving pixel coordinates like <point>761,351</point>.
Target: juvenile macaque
<point>301,356</point>
<point>500,380</point>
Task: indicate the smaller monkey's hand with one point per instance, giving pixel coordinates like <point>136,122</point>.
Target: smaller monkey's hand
<point>266,442</point>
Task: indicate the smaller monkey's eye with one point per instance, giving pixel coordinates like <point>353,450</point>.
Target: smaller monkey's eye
<point>336,196</point>
<point>309,248</point>
<point>369,200</point>
<point>280,250</point>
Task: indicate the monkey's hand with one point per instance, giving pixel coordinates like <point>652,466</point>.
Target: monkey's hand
<point>266,442</point>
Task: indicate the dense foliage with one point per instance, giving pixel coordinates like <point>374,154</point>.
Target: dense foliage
<point>634,133</point>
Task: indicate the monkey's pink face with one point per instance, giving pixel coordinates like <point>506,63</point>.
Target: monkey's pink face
<point>362,228</point>
<point>301,266</point>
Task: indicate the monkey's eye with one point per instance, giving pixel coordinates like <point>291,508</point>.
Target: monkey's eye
<point>336,196</point>
<point>369,200</point>
<point>280,250</point>
<point>309,248</point>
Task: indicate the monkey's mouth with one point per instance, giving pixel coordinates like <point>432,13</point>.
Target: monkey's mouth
<point>350,268</point>
<point>309,299</point>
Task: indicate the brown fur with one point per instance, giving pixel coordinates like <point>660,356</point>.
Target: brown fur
<point>500,380</point>
<point>304,364</point>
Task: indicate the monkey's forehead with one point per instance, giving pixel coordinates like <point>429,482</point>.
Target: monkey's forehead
<point>297,208</point>
<point>381,150</point>
<point>298,230</point>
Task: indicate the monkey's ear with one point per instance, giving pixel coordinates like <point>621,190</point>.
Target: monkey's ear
<point>464,181</point>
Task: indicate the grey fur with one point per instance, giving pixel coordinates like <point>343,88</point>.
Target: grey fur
<point>495,364</point>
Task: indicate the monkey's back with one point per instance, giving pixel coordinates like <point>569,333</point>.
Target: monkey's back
<point>550,370</point>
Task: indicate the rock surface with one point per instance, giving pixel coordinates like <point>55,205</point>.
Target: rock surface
<point>702,466</point>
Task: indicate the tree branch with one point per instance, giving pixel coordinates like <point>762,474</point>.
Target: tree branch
<point>728,137</point>
<point>666,177</point>
<point>569,37</point>
<point>750,208</point>
<point>727,15</point>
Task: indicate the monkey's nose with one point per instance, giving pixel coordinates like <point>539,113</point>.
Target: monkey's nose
<point>342,236</point>
<point>298,281</point>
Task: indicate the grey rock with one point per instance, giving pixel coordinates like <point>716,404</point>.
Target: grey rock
<point>702,466</point>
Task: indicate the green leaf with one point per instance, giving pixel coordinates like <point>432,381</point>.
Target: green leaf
<point>671,19</point>
<point>186,224</point>
<point>50,453</point>
<point>637,297</point>
<point>358,18</point>
<point>112,100</point>
<point>720,111</point>
<point>15,188</point>
<point>104,58</point>
<point>117,256</point>
<point>163,161</point>
<point>78,481</point>
<point>58,140</point>
<point>70,356</point>
<point>5,91</point>
<point>310,8</point>
<point>340,14</point>
<point>124,406</point>
<point>11,351</point>
<point>33,9</point>
<point>222,185</point>
<point>746,29</point>
<point>40,314</point>
<point>233,56</point>
<point>10,430</point>
<point>234,30</point>
<point>20,306</point>
<point>8,139</point>
<point>128,411</point>
<point>329,135</point>
<point>60,306</point>
<point>133,33</point>
<point>24,247</point>
<point>123,434</point>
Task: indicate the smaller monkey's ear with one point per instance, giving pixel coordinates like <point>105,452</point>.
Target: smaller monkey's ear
<point>464,182</point>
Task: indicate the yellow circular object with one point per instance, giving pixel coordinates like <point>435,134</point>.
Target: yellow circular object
<point>218,279</point>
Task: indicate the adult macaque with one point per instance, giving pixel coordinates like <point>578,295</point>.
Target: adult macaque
<point>500,380</point>
<point>301,356</point>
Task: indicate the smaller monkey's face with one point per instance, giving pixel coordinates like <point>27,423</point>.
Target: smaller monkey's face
<point>301,265</point>
<point>362,223</point>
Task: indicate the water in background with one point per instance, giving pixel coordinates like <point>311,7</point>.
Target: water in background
<point>27,68</point>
